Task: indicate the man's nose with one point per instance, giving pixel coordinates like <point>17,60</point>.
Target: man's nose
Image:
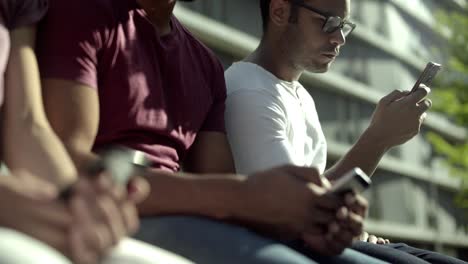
<point>337,38</point>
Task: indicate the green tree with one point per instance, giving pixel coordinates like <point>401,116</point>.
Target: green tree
<point>451,98</point>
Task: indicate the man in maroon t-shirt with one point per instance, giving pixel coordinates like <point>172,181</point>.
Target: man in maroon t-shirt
<point>157,91</point>
<point>127,72</point>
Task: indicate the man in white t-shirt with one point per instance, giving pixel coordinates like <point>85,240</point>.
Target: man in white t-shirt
<point>271,119</point>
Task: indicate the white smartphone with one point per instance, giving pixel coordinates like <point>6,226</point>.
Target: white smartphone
<point>121,163</point>
<point>354,181</point>
<point>427,76</point>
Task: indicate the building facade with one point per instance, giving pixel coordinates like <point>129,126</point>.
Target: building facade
<point>412,197</point>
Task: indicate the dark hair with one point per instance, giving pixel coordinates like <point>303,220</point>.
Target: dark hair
<point>265,10</point>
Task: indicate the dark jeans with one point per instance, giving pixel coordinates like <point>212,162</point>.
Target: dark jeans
<point>404,254</point>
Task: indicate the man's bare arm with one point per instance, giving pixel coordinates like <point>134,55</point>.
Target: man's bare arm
<point>210,153</point>
<point>365,154</point>
<point>214,196</point>
<point>73,112</point>
<point>29,142</point>
<point>397,118</point>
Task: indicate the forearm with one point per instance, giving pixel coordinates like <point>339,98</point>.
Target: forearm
<point>81,155</point>
<point>210,154</point>
<point>28,140</point>
<point>33,147</point>
<point>365,154</point>
<point>216,196</point>
<point>212,196</point>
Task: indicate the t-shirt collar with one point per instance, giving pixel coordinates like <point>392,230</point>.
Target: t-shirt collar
<point>294,85</point>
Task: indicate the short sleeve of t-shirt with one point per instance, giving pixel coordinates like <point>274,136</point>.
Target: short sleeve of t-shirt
<point>215,118</point>
<point>17,13</point>
<point>69,40</point>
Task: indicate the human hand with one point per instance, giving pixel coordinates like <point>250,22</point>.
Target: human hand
<point>399,116</point>
<point>291,200</point>
<point>105,214</point>
<point>343,230</point>
<point>365,237</point>
<point>30,205</point>
<point>352,216</point>
<point>96,216</point>
<point>138,189</point>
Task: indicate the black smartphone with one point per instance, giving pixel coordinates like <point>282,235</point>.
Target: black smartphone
<point>353,181</point>
<point>427,76</point>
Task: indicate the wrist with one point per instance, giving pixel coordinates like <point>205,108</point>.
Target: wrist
<point>232,200</point>
<point>374,140</point>
<point>246,205</point>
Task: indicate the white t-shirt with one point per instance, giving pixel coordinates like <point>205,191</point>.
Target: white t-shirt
<point>271,122</point>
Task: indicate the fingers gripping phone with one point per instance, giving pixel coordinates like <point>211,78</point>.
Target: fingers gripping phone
<point>354,181</point>
<point>427,76</point>
<point>120,162</point>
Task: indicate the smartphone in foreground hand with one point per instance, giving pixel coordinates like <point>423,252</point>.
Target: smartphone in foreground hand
<point>427,76</point>
<point>121,163</point>
<point>355,181</point>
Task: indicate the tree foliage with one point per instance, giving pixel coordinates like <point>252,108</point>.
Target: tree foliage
<point>451,98</point>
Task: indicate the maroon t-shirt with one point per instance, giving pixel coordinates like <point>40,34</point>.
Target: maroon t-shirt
<point>155,93</point>
<point>14,14</point>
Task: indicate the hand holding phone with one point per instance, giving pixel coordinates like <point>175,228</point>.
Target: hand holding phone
<point>120,162</point>
<point>427,76</point>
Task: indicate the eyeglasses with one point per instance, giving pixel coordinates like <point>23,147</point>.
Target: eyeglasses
<point>332,23</point>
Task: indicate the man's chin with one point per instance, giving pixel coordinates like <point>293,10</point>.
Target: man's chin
<point>319,68</point>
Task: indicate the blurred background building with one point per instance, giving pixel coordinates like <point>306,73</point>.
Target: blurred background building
<point>412,199</point>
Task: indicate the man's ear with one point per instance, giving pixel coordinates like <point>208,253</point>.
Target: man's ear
<point>280,12</point>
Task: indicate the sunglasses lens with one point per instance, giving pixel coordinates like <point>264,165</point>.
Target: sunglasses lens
<point>347,29</point>
<point>332,24</point>
<point>336,23</point>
